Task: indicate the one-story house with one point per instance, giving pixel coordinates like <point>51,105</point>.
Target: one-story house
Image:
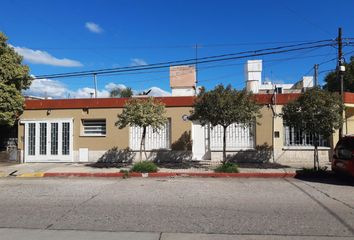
<point>82,130</point>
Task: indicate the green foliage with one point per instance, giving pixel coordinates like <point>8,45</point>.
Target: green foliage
<point>143,112</point>
<point>316,112</point>
<point>333,84</point>
<point>144,167</point>
<point>14,77</point>
<point>11,104</point>
<point>225,106</point>
<point>227,168</point>
<point>321,172</point>
<point>125,173</point>
<point>121,93</point>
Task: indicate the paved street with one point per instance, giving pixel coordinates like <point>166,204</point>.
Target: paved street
<point>179,208</point>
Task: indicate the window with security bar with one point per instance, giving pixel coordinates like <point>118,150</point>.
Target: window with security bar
<point>159,139</point>
<point>297,137</point>
<point>93,127</point>
<point>238,137</point>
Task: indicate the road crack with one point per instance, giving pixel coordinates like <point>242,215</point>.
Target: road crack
<point>75,207</point>
<point>329,196</point>
<point>328,210</point>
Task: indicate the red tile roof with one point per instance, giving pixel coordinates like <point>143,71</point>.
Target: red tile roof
<point>100,103</point>
<point>281,99</point>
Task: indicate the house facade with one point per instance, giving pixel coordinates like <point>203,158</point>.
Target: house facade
<point>82,130</point>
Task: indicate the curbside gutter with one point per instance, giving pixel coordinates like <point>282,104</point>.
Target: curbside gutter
<point>168,174</point>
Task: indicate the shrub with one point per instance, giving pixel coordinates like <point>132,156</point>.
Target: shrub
<point>227,168</point>
<point>144,167</point>
<point>313,172</point>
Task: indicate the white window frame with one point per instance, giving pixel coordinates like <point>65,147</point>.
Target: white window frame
<point>93,120</point>
<point>159,139</point>
<point>293,140</point>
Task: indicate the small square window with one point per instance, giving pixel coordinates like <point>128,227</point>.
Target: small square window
<point>94,127</point>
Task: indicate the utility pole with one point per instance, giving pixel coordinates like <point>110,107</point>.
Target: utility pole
<point>196,63</point>
<point>95,82</point>
<point>315,75</point>
<point>340,71</point>
<point>340,60</point>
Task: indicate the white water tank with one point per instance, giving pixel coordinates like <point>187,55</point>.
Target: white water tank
<point>253,75</point>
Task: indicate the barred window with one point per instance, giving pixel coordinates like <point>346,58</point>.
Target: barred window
<point>297,137</point>
<point>238,137</point>
<point>159,139</point>
<point>94,127</point>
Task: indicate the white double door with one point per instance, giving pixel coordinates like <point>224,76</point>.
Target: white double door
<point>48,140</point>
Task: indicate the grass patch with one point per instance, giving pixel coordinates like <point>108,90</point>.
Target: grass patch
<point>144,167</point>
<point>311,172</point>
<point>227,168</point>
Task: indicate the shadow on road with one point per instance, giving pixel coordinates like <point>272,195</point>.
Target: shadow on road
<point>331,179</point>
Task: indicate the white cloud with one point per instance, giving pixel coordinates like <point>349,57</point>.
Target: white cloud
<point>137,62</point>
<point>55,89</point>
<point>47,88</point>
<point>93,27</point>
<point>42,57</point>
<point>157,92</point>
<point>86,93</point>
<point>111,86</point>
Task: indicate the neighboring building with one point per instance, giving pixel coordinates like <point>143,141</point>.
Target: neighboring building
<point>254,83</point>
<point>81,130</point>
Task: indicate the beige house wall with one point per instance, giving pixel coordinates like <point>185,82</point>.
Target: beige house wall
<point>114,136</point>
<point>264,127</point>
<point>120,137</point>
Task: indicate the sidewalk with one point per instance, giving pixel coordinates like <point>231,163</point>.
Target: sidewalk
<point>83,170</point>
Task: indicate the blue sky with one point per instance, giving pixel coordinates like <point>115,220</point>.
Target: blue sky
<point>65,36</point>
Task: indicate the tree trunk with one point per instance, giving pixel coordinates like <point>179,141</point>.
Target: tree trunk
<point>315,154</point>
<point>142,143</point>
<point>224,160</point>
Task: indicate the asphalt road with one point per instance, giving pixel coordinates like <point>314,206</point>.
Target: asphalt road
<point>179,208</point>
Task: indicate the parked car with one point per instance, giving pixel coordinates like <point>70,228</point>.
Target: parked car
<point>343,156</point>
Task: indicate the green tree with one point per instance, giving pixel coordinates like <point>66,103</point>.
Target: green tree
<point>121,92</point>
<point>14,77</point>
<point>142,113</point>
<point>333,83</point>
<point>316,112</point>
<point>225,106</point>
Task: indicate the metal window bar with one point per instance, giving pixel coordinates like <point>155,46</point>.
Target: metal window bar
<point>42,138</point>
<point>54,139</point>
<point>31,139</point>
<point>65,138</point>
<point>238,137</point>
<point>296,137</point>
<point>94,127</point>
<point>159,139</point>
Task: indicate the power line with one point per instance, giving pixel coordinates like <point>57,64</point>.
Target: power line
<point>212,45</point>
<point>217,58</point>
